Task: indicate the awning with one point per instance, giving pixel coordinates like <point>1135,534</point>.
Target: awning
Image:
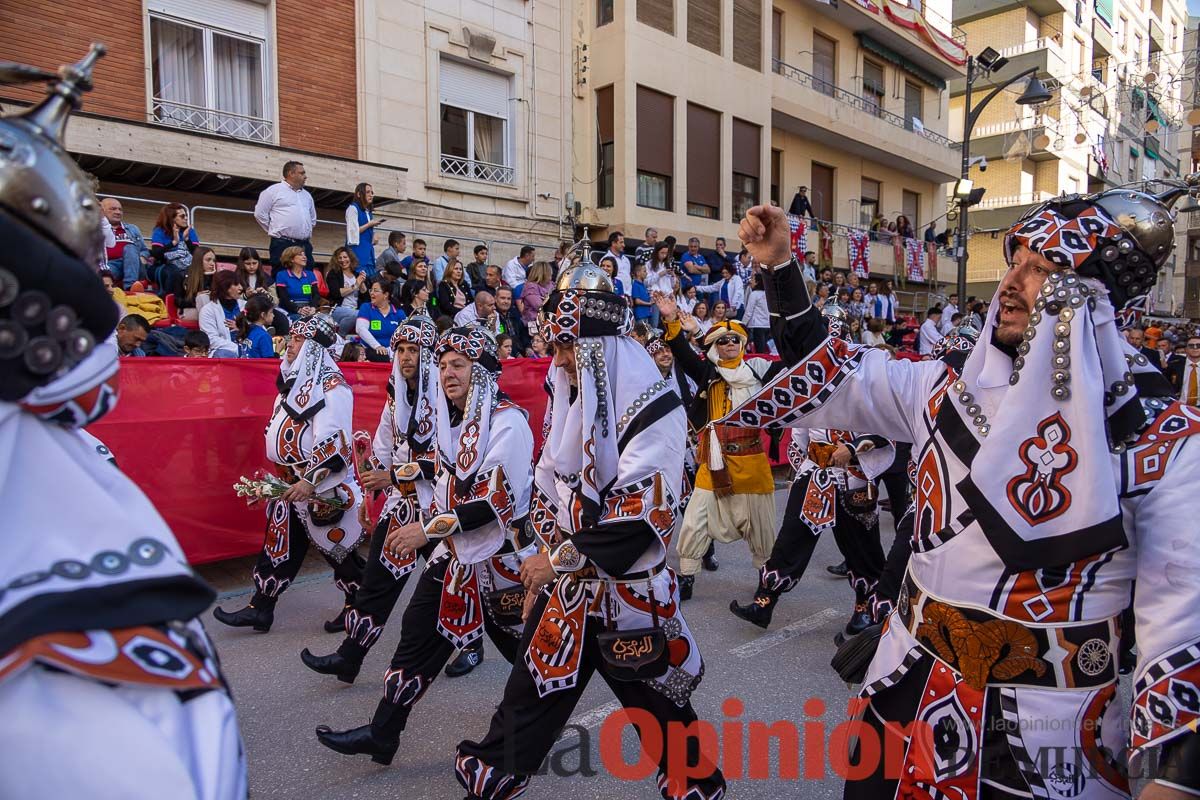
<point>1104,10</point>
<point>892,57</point>
<point>1155,109</point>
<point>1133,151</point>
<point>1150,153</point>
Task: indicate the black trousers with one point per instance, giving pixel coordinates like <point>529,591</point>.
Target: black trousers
<point>526,726</point>
<point>271,580</point>
<point>377,594</point>
<point>423,651</point>
<point>279,244</point>
<point>795,544</point>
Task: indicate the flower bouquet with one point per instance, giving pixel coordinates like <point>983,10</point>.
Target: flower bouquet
<point>265,486</point>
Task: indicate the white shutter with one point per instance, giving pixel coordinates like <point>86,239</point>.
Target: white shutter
<point>245,17</point>
<point>473,89</point>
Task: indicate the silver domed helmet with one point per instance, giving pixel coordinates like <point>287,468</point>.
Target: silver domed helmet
<point>584,304</point>
<point>1120,237</point>
<point>837,320</point>
<point>53,306</point>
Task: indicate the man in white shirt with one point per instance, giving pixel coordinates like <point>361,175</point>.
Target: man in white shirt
<point>948,312</point>
<point>516,269</point>
<point>931,331</point>
<point>286,212</point>
<point>616,249</point>
<point>481,312</point>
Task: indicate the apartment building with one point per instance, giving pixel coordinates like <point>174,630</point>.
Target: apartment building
<point>1115,117</point>
<point>456,111</point>
<point>1186,286</point>
<point>690,111</point>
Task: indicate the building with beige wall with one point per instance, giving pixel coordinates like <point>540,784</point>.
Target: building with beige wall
<point>1112,65</point>
<point>456,111</point>
<point>689,111</point>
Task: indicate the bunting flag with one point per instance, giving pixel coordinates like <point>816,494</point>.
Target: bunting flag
<point>825,251</point>
<point>898,271</point>
<point>931,259</point>
<point>858,245</point>
<point>914,259</point>
<point>799,236</point>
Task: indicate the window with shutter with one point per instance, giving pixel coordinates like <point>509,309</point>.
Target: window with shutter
<point>873,86</point>
<point>746,148</point>
<point>474,123</point>
<point>704,24</point>
<point>703,162</point>
<point>824,64</point>
<point>747,33</point>
<point>606,148</point>
<point>655,148</point>
<point>869,205</point>
<point>658,14</point>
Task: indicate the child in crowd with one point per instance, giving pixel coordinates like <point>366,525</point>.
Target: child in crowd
<point>504,347</point>
<point>252,323</point>
<point>195,344</point>
<point>643,306</point>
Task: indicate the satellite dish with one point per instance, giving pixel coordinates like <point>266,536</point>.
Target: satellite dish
<point>1085,92</point>
<point>1041,141</point>
<point>1150,77</point>
<point>1193,117</point>
<point>1151,125</point>
<point>1080,137</point>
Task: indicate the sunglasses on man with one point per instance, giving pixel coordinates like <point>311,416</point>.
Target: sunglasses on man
<point>728,340</point>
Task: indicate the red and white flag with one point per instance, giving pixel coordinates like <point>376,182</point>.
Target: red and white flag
<point>859,247</point>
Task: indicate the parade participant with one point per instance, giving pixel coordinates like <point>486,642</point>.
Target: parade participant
<point>108,684</point>
<point>830,491</point>
<point>664,359</point>
<point>734,496</point>
<point>604,505</point>
<point>1051,473</point>
<point>471,581</point>
<point>401,465</point>
<point>310,438</point>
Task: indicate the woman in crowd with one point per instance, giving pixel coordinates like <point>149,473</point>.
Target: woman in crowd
<point>873,336</point>
<point>893,302</point>
<point>904,228</point>
<point>856,308</point>
<point>377,321</point>
<point>414,297</point>
<point>172,245</point>
<point>720,312</point>
<point>756,318</point>
<point>360,228</point>
<point>453,293</point>
<point>419,271</point>
<point>685,297</point>
<point>609,265</point>
<point>353,352</point>
<point>296,285</point>
<point>347,285</point>
<point>252,326</point>
<point>191,287</point>
<point>839,283</point>
<point>537,287</point>
<point>821,297</point>
<point>217,318</point>
<point>252,275</point>
<point>843,297</point>
<point>856,330</point>
<point>700,312</point>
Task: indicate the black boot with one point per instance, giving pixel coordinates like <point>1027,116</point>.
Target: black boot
<point>344,669</point>
<point>710,558</point>
<point>362,740</point>
<point>860,620</point>
<point>686,583</point>
<point>249,617</point>
<point>840,570</point>
<point>758,610</point>
<point>338,623</point>
<point>468,659</point>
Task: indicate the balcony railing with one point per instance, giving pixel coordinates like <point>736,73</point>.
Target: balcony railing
<point>457,167</point>
<point>1032,46</point>
<point>866,105</point>
<point>211,120</point>
<point>1008,201</point>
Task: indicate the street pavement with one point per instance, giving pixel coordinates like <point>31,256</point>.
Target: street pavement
<point>280,701</point>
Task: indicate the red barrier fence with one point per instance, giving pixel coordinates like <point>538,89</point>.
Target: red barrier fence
<point>186,428</point>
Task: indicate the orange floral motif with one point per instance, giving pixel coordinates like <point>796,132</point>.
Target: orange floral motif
<point>1000,649</point>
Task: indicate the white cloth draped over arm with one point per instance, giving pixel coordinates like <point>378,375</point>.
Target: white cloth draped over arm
<point>383,441</point>
<point>335,419</point>
<point>363,328</point>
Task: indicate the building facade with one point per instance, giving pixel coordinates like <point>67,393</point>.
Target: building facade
<point>1115,117</point>
<point>452,109</point>
<point>690,111</point>
<point>1187,243</point>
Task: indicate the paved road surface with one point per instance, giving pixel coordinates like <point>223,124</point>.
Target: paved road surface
<point>280,701</point>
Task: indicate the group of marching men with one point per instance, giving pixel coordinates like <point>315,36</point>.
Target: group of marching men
<point>1053,473</point>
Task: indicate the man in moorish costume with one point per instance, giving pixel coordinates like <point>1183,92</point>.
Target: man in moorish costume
<point>601,598</point>
<point>402,465</point>
<point>310,438</point>
<point>108,683</point>
<point>1051,473</point>
<point>471,581</point>
<point>734,496</point>
<point>830,491</point>
<point>669,368</point>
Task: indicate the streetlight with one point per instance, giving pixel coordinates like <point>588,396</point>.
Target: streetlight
<point>1035,94</point>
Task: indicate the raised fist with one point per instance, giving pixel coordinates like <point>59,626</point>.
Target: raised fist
<point>765,233</point>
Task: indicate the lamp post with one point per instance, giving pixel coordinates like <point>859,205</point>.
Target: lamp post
<point>1035,93</point>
